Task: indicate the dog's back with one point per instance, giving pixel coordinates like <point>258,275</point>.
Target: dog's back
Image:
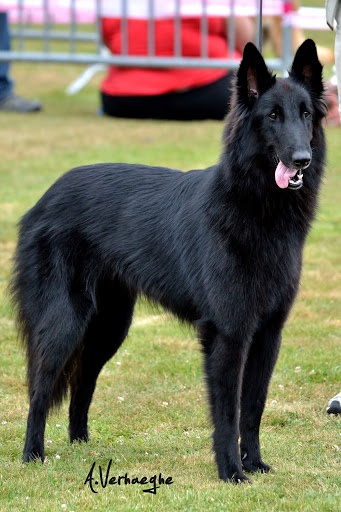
<point>123,220</point>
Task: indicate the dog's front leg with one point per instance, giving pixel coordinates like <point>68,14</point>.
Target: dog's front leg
<point>257,373</point>
<point>224,364</point>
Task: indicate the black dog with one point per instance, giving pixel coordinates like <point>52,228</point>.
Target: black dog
<point>221,248</point>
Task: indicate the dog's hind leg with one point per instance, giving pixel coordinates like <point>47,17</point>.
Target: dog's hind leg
<point>224,362</point>
<point>257,374</point>
<point>106,332</point>
<point>52,343</point>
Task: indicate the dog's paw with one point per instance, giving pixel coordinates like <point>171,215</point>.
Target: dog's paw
<point>256,466</point>
<point>235,478</point>
<point>33,456</point>
<point>239,478</point>
<point>79,437</point>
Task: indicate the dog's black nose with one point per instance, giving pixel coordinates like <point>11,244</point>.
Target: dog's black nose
<point>301,159</point>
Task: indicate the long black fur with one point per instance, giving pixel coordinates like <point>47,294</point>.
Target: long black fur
<point>221,248</point>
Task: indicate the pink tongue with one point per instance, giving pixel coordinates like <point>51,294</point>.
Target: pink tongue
<point>282,175</point>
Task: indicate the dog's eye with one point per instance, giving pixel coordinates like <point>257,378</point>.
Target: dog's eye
<point>306,114</point>
<point>273,115</point>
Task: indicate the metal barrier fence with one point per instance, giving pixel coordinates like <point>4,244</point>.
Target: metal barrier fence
<point>60,26</point>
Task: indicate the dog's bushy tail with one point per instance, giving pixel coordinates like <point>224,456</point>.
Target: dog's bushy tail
<point>30,298</point>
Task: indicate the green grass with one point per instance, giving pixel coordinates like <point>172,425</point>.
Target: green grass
<point>149,413</point>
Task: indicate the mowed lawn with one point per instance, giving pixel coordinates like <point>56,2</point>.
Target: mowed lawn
<point>149,415</point>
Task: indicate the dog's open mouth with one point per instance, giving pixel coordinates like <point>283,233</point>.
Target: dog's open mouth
<point>296,182</point>
<point>288,178</point>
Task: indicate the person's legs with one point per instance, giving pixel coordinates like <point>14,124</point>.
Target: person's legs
<point>134,107</point>
<point>206,102</point>
<point>6,84</point>
<point>8,100</point>
<point>338,53</point>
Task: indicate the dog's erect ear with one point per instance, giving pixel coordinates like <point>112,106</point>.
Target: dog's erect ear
<point>253,76</point>
<point>306,68</point>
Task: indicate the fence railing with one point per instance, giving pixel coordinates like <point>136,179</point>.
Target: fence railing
<point>74,23</point>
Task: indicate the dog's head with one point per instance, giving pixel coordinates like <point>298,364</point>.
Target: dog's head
<point>285,112</point>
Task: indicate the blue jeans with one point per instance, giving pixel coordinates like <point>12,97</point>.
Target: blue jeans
<point>6,84</point>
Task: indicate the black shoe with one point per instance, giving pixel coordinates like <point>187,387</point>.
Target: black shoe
<point>14,103</point>
<point>334,405</point>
